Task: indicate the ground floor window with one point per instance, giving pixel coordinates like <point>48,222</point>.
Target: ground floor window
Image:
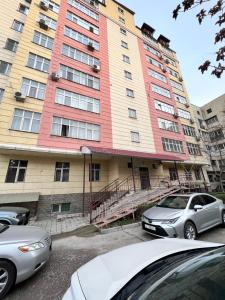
<point>94,172</point>
<point>198,175</point>
<point>61,207</point>
<point>62,170</point>
<point>173,174</point>
<point>16,171</point>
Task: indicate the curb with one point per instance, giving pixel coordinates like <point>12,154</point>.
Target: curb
<point>119,228</point>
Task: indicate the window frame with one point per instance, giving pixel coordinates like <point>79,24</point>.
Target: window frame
<point>18,170</point>
<point>65,167</point>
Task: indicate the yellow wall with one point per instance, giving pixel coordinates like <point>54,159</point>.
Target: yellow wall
<point>19,70</point>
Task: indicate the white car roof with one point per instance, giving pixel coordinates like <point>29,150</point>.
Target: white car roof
<point>105,275</point>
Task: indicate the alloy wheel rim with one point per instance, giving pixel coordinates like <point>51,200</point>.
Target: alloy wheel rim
<point>4,277</point>
<point>190,232</point>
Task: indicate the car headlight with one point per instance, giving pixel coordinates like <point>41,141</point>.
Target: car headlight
<point>144,219</point>
<point>171,221</point>
<point>31,247</point>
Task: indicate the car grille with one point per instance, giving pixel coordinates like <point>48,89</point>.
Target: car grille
<point>159,230</point>
<point>47,241</point>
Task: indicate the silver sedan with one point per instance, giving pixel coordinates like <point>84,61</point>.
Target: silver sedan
<point>184,215</point>
<point>23,251</point>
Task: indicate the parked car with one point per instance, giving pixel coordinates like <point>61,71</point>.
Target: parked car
<point>23,251</point>
<point>14,215</point>
<point>184,215</point>
<point>165,269</point>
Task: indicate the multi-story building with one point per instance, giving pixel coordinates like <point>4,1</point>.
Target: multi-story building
<point>88,97</point>
<point>211,126</point>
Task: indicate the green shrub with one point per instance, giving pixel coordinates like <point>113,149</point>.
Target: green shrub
<point>219,196</point>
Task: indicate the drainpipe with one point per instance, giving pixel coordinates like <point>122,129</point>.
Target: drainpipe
<point>91,189</point>
<point>178,178</point>
<point>84,183</point>
<point>132,165</point>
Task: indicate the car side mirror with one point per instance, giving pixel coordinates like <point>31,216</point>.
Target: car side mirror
<point>198,207</point>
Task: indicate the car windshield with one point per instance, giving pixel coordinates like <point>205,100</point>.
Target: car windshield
<point>176,202</point>
<point>200,278</point>
<point>3,228</point>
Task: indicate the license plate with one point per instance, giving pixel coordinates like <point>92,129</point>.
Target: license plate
<point>150,227</point>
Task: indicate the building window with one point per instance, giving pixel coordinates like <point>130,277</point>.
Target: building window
<point>198,175</point>
<point>5,67</point>
<point>1,94</point>
<point>172,72</point>
<point>212,120</point>
<point>157,75</point>
<point>168,125</point>
<point>61,207</point>
<point>124,44</point>
<point>154,62</point>
<point>176,85</point>
<point>43,40</point>
<point>130,93</point>
<point>164,107</point>
<point>152,50</point>
<point>23,9</point>
<point>77,101</point>
<point>33,89</point>
<point>49,21</point>
<point>16,171</point>
<point>24,120</point>
<point>80,77</point>
<point>128,75</point>
<point>173,174</point>
<point>11,45</point>
<point>79,55</point>
<point>94,172</point>
<point>62,171</point>
<point>126,59</point>
<point>170,145</point>
<point>216,135</point>
<point>209,111</point>
<point>38,62</point>
<point>53,6</point>
<point>18,26</point>
<point>75,129</point>
<point>161,91</point>
<point>188,130</point>
<point>135,137</point>
<point>180,99</point>
<point>132,113</point>
<point>83,23</point>
<point>123,31</point>
<point>194,149</point>
<point>122,20</point>
<point>81,38</point>
<point>184,114</point>
<point>84,9</point>
<point>120,10</point>
<point>171,61</point>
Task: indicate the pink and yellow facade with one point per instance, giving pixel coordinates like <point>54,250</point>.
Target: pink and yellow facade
<point>81,75</point>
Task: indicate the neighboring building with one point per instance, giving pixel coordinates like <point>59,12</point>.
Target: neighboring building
<point>211,126</point>
<point>81,78</point>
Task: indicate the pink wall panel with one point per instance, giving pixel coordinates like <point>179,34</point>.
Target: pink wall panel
<point>52,109</point>
<point>154,113</point>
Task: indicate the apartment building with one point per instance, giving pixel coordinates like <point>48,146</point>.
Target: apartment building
<point>88,97</point>
<point>211,126</point>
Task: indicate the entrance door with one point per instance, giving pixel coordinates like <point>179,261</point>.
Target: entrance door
<point>144,178</point>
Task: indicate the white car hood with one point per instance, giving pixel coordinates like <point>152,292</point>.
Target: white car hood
<point>105,275</point>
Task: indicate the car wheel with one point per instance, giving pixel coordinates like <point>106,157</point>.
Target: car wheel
<point>223,218</point>
<point>190,232</point>
<point>7,277</point>
<point>4,222</point>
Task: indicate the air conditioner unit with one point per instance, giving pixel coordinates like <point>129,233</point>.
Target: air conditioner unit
<point>43,5</point>
<point>198,138</point>
<point>176,116</point>
<point>180,79</point>
<point>96,68</point>
<point>164,70</point>
<point>43,24</point>
<point>160,57</point>
<point>167,61</point>
<point>192,121</point>
<point>91,29</point>
<point>55,76</point>
<point>90,46</point>
<point>187,104</point>
<point>20,96</point>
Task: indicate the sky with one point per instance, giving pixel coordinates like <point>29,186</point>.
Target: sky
<point>193,44</point>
